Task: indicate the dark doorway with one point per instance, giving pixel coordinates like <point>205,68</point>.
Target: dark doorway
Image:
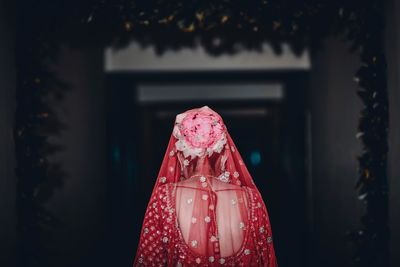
<point>268,129</point>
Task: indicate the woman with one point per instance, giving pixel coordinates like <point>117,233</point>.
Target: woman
<point>205,209</point>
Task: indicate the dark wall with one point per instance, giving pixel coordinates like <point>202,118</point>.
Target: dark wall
<point>7,160</point>
<point>79,203</point>
<point>392,38</point>
<point>335,110</point>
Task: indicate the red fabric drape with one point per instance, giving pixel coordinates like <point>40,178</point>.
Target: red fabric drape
<point>205,209</point>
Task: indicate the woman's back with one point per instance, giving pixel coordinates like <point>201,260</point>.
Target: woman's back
<point>212,215</point>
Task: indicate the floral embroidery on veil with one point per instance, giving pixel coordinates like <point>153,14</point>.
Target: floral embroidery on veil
<point>205,209</point>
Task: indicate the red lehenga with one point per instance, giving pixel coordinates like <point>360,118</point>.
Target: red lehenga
<point>205,209</point>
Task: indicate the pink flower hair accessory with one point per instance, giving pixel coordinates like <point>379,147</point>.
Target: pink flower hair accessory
<point>200,132</point>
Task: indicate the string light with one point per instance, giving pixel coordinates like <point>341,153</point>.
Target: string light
<point>128,26</point>
<point>224,19</point>
<point>200,16</point>
<point>275,25</point>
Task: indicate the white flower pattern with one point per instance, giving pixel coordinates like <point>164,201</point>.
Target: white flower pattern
<point>180,225</point>
<point>160,228</point>
<point>224,177</point>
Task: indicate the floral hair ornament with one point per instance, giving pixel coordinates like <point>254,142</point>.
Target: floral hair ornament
<point>199,132</point>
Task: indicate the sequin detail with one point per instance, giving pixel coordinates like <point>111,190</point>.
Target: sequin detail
<point>162,225</point>
<point>194,243</point>
<point>224,177</point>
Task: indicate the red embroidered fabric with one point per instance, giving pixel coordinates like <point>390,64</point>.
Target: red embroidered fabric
<point>205,209</point>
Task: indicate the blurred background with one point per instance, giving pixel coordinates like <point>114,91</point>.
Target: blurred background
<point>293,118</point>
<point>264,108</point>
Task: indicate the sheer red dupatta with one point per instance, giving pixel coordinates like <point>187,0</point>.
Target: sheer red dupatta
<point>211,198</point>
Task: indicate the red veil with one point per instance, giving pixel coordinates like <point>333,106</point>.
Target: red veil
<point>205,209</point>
